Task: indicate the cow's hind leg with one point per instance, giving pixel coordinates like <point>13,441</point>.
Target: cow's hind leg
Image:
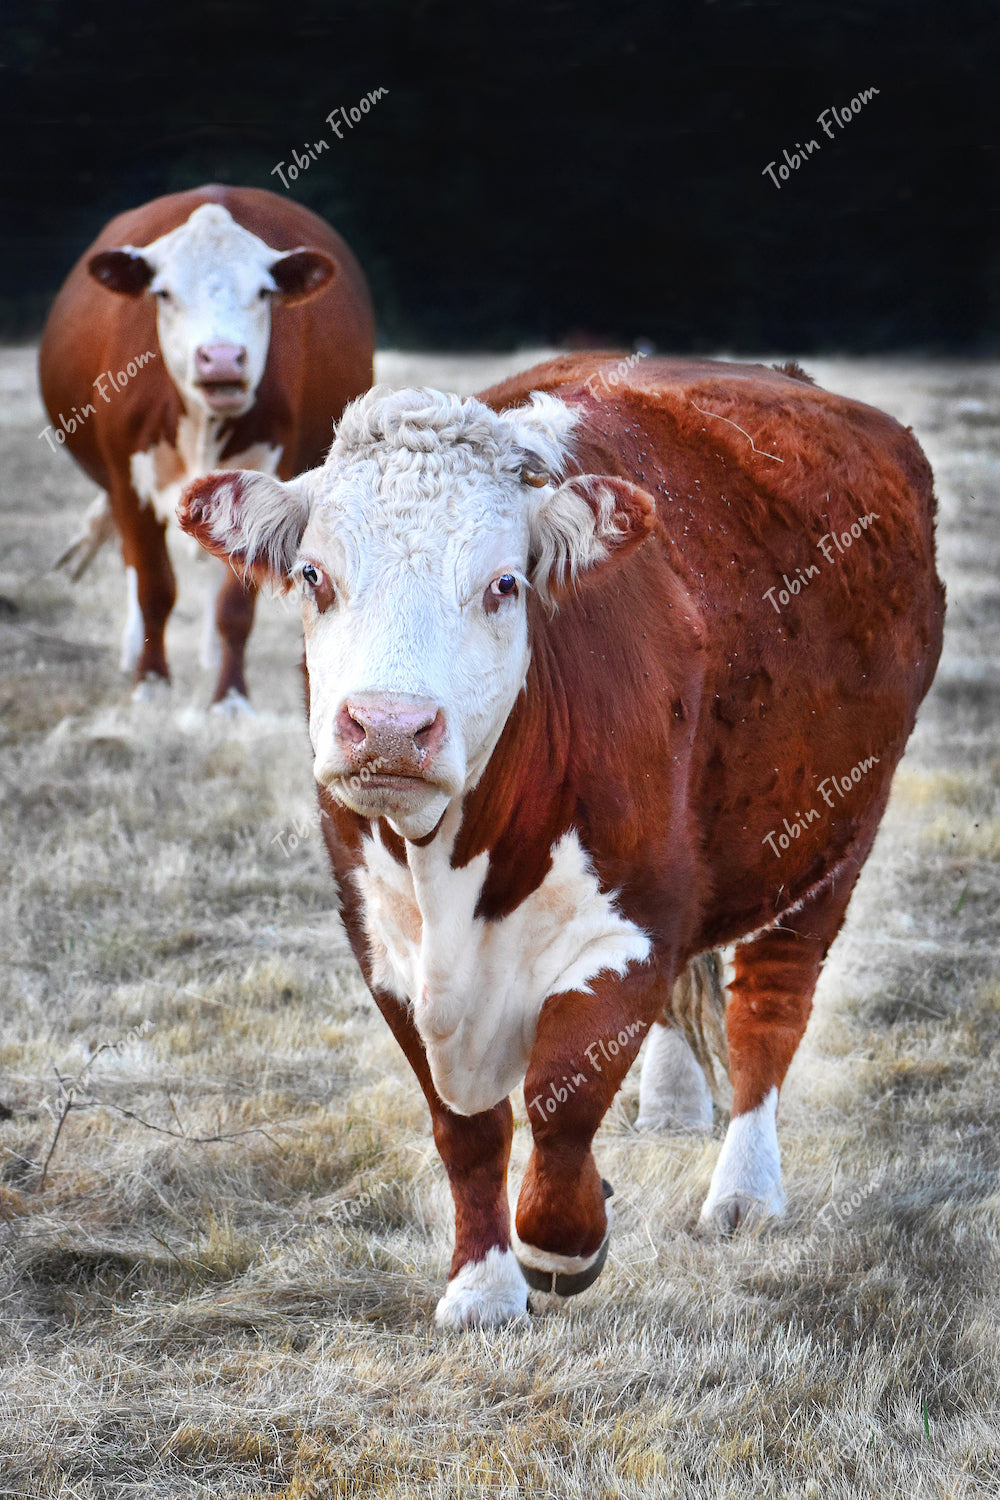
<point>585,1044</point>
<point>485,1285</point>
<point>770,998</point>
<point>685,1045</point>
<point>234,611</point>
<point>673,1094</point>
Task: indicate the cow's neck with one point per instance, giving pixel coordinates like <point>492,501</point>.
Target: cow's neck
<point>524,801</point>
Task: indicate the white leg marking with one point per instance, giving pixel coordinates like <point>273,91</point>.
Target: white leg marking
<point>673,1094</point>
<point>134,635</point>
<point>211,640</point>
<point>152,689</point>
<point>485,1293</point>
<point>746,1183</point>
<point>233,706</point>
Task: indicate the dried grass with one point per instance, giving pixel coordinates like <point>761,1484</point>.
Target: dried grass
<point>224,1284</point>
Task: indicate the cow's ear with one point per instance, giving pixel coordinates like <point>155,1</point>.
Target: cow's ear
<point>582,526</point>
<point>125,270</point>
<point>253,520</point>
<point>300,274</point>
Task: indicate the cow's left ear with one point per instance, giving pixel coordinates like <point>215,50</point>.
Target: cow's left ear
<point>251,519</point>
<point>583,525</point>
<point>300,274</point>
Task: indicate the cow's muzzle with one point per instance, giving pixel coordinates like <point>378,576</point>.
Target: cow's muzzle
<point>220,373</point>
<point>389,740</point>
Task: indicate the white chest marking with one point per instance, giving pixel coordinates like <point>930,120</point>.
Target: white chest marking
<point>160,473</point>
<point>477,987</point>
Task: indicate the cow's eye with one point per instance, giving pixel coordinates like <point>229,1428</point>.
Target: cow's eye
<point>318,586</point>
<point>504,587</point>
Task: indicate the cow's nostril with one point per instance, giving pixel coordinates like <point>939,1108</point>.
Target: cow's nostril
<point>431,735</point>
<point>348,727</point>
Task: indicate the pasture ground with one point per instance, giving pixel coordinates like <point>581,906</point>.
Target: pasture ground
<point>218,1277</point>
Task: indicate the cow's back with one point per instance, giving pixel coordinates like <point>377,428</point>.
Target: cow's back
<point>319,358</point>
<point>751,469</point>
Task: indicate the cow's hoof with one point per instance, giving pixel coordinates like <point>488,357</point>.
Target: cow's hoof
<point>566,1275</point>
<point>739,1211</point>
<point>487,1293</point>
<point>152,689</point>
<point>234,705</point>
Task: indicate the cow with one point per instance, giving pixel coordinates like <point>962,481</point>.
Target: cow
<point>577,723</point>
<point>222,326</point>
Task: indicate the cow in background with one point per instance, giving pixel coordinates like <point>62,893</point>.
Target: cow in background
<point>220,327</point>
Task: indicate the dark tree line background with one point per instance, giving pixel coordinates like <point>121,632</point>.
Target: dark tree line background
<point>569,170</point>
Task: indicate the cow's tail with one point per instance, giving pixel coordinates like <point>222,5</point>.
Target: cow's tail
<point>98,527</point>
<point>698,1009</point>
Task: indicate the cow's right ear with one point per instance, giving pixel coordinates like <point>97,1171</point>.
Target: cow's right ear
<point>252,519</point>
<point>125,270</point>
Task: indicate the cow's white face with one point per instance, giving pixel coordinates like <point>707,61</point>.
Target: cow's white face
<point>414,583</point>
<point>414,547</point>
<point>213,282</point>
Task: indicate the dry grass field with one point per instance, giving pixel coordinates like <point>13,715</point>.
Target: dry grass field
<point>223,1225</point>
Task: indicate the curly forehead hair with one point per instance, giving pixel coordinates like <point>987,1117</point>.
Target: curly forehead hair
<point>438,424</point>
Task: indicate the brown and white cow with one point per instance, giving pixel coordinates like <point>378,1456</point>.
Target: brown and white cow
<point>217,327</point>
<point>574,726</point>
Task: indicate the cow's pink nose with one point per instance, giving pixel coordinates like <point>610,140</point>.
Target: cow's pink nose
<point>403,732</point>
<point>220,362</point>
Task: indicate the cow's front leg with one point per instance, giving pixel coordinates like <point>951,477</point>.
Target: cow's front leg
<point>152,591</point>
<point>485,1285</point>
<point>234,612</point>
<point>584,1046</point>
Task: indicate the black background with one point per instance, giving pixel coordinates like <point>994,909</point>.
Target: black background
<point>576,172</point>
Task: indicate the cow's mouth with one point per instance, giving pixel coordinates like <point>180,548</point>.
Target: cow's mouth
<point>361,782</point>
<point>224,395</point>
<point>413,804</point>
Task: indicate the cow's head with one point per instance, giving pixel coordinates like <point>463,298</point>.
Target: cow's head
<point>414,547</point>
<point>213,282</point>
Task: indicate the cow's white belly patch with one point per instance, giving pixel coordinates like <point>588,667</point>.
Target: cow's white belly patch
<point>476,987</point>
